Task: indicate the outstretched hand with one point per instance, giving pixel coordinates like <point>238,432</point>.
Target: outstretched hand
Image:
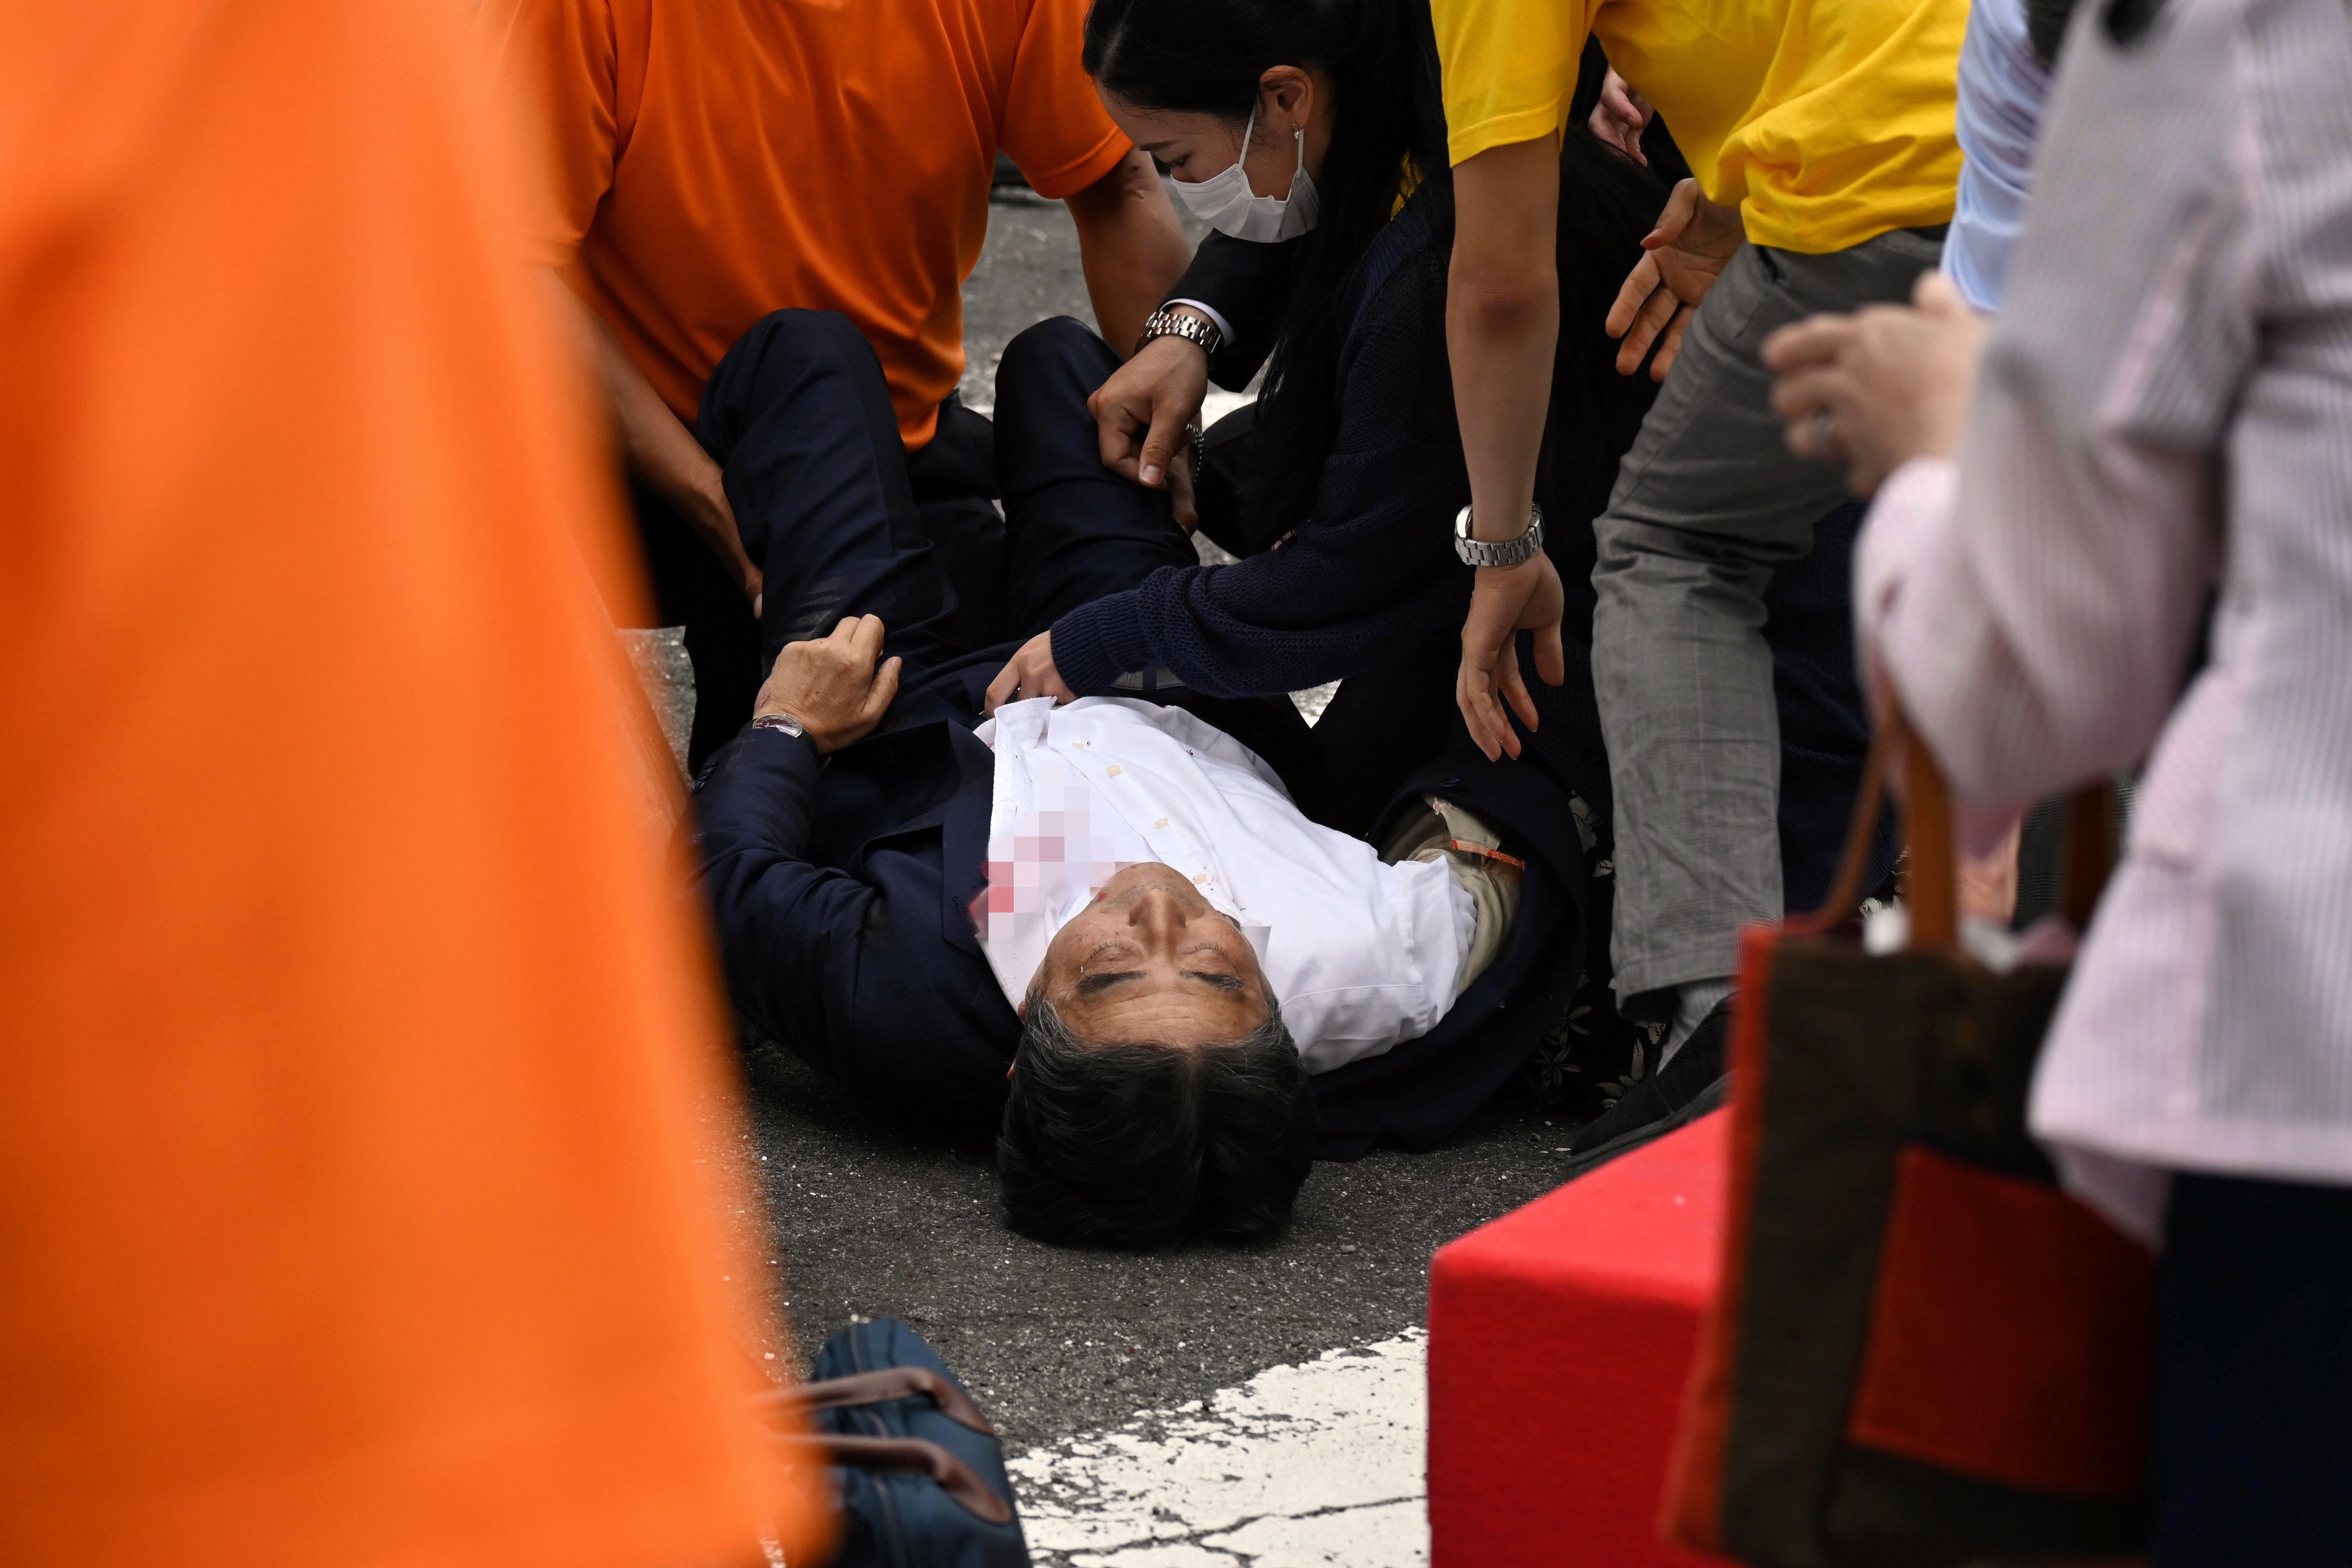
<point>831,685</point>
<point>1028,673</point>
<point>1694,239</point>
<point>1507,601</point>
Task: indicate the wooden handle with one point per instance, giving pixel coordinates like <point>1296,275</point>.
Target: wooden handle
<point>1931,878</point>
<point>1931,875</point>
<point>1862,831</point>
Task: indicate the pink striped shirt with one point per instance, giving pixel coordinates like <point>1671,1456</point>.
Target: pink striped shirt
<point>2165,410</point>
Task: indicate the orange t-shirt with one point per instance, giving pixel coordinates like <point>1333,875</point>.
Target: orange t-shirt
<point>714,161</point>
<point>353,1207</point>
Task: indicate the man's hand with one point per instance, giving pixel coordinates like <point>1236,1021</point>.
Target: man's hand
<point>706,507</point>
<point>1879,387</point>
<point>831,685</point>
<point>1142,412</point>
<point>1686,252</point>
<point>1621,116</point>
<point>1507,601</point>
<point>1029,673</point>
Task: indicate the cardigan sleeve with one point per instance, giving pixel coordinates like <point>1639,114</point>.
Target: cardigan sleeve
<point>1369,575</point>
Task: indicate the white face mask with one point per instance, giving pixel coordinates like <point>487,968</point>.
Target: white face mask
<point>1225,203</point>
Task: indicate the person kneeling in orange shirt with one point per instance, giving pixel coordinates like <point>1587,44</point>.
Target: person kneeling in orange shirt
<point>713,164</point>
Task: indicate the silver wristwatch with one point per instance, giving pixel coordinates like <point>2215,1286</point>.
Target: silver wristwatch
<point>1191,328</point>
<point>781,721</point>
<point>1498,553</point>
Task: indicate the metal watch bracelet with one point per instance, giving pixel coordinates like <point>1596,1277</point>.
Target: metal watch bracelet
<point>1498,553</point>
<point>1200,334</point>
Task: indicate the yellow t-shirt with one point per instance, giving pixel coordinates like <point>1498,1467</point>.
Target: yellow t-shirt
<point>1826,121</point>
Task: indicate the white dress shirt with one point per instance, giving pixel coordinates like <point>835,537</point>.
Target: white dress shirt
<point>2164,407</point>
<point>1361,955</point>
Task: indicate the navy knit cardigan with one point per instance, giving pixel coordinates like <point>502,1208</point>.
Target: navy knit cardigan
<point>1370,576</point>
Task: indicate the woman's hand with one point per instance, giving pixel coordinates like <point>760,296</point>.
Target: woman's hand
<point>1685,253</point>
<point>1029,673</point>
<point>1141,415</point>
<point>1621,116</point>
<point>1880,386</point>
<point>1507,601</point>
<point>830,685</point>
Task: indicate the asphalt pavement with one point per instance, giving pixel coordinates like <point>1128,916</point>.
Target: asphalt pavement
<point>868,1216</point>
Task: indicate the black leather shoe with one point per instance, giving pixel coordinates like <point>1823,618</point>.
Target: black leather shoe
<point>1687,1089</point>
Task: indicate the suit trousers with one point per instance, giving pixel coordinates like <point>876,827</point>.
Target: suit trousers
<point>1707,505</point>
<point>798,416</point>
<point>949,483</point>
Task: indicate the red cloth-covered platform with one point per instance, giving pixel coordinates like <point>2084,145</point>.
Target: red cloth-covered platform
<point>1560,1339</point>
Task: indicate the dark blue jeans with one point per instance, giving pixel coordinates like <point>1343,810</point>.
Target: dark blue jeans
<point>849,437</point>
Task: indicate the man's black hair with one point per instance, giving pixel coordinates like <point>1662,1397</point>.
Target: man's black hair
<point>1130,1144</point>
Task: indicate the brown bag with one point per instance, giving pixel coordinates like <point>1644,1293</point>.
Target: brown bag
<point>1922,1351</point>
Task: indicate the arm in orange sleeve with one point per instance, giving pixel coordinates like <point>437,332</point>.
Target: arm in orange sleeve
<point>1131,247</point>
<point>1054,127</point>
<point>557,60</point>
<point>1129,242</point>
<point>560,59</point>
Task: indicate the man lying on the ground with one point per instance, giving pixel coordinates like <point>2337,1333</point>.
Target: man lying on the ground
<point>904,897</point>
<point>1181,946</point>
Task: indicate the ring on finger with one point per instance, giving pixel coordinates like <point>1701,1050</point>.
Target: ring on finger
<point>1820,432</point>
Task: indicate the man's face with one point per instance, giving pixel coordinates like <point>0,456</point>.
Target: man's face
<point>1151,959</point>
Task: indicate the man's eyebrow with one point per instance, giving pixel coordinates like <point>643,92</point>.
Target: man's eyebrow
<point>1221,981</point>
<point>1095,984</point>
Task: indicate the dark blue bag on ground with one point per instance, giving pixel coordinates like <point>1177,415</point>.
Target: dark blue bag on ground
<point>918,1470</point>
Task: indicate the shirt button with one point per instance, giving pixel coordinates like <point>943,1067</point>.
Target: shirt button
<point>1112,771</point>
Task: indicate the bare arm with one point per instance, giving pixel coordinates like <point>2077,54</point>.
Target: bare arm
<point>1502,324</point>
<point>1130,246</point>
<point>657,448</point>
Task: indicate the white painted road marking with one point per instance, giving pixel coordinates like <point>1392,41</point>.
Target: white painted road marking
<point>1303,1466</point>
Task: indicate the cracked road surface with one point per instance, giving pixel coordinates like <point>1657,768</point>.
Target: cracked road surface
<point>1306,1465</point>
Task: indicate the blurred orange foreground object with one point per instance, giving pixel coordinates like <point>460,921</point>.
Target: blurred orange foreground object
<point>357,1045</point>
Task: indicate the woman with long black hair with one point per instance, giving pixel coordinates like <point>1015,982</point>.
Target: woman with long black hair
<point>1323,117</point>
